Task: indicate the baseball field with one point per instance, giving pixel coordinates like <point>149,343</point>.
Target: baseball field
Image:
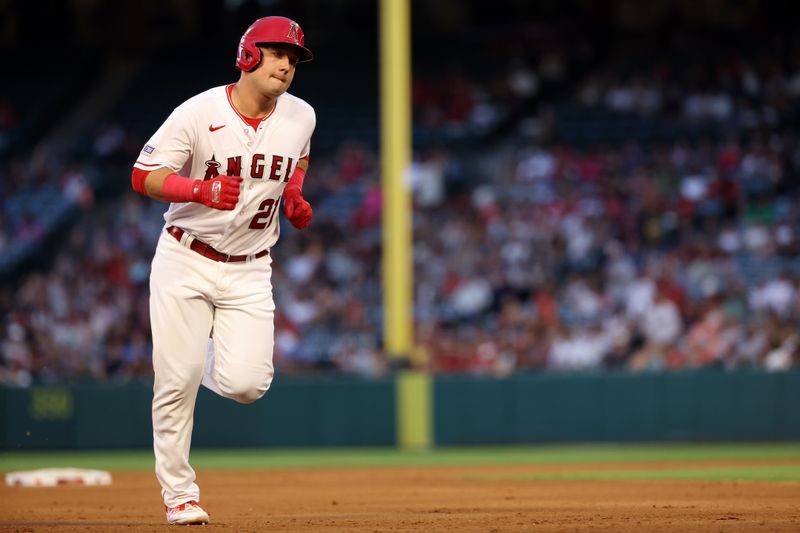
<point>708,487</point>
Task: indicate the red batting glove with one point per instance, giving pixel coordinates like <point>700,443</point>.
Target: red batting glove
<point>220,193</point>
<point>296,208</point>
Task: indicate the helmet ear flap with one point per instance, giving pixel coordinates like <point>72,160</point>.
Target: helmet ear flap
<point>249,57</point>
<point>255,58</point>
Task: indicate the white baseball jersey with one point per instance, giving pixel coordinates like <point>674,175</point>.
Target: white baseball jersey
<point>205,137</point>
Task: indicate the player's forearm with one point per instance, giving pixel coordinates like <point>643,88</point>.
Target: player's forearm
<point>163,184</point>
<point>153,184</point>
<point>295,184</point>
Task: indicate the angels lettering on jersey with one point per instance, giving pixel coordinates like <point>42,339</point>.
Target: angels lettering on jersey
<point>279,167</point>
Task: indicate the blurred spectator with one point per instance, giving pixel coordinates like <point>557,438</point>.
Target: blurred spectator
<point>661,326</point>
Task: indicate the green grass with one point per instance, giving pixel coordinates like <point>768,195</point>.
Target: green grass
<point>247,458</point>
<point>735,473</point>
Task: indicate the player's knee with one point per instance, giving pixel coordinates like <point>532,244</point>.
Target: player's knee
<point>247,396</point>
<point>251,388</point>
<point>174,391</point>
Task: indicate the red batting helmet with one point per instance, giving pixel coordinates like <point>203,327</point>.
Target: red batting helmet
<point>270,30</point>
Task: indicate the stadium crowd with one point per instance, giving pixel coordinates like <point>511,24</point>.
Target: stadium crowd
<point>644,258</point>
<point>532,253</point>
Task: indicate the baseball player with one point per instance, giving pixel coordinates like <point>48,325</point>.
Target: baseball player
<point>225,159</point>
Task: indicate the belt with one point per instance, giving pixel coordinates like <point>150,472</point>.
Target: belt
<point>209,252</point>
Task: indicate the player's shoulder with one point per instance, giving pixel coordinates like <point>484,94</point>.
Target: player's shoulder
<point>198,107</point>
<point>203,99</point>
<point>296,105</point>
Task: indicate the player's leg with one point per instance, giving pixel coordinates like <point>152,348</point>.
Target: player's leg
<point>181,318</point>
<point>243,333</point>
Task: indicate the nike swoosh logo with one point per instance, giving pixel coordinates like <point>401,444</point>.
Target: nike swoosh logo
<point>212,128</point>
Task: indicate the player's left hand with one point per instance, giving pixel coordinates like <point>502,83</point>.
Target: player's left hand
<point>296,209</point>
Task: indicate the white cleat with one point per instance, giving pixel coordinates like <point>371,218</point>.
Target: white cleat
<point>187,514</point>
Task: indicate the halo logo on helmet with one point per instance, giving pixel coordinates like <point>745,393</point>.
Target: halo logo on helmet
<point>294,30</point>
<point>268,30</point>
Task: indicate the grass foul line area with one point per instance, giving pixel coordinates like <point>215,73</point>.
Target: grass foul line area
<point>249,458</point>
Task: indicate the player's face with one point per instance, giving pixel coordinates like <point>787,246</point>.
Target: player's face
<point>276,71</point>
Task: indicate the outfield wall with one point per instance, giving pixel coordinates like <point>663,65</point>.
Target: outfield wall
<point>692,406</point>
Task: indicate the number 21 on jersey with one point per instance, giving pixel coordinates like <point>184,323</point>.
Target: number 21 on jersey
<point>266,212</point>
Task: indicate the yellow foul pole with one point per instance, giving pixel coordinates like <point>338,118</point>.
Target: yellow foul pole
<point>395,65</point>
<point>413,389</point>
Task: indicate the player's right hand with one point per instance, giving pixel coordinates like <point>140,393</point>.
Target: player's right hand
<point>220,193</point>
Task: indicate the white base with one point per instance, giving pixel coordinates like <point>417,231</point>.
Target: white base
<point>53,477</point>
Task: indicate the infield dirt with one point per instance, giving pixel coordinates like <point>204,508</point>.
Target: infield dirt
<point>464,499</point>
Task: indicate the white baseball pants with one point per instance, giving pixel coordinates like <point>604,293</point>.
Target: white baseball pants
<point>189,295</point>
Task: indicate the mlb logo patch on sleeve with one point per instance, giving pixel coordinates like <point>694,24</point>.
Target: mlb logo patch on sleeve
<point>148,149</point>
